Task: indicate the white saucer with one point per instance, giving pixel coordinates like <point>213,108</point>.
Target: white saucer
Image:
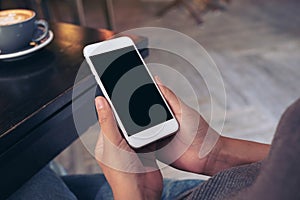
<point>30,49</point>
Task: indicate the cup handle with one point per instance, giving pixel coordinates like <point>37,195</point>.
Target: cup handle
<point>44,24</point>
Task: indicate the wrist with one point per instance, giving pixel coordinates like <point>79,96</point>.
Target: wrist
<point>135,192</point>
<point>229,152</point>
<point>136,186</point>
<point>211,164</point>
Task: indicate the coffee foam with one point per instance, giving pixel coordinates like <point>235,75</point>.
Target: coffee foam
<point>10,17</point>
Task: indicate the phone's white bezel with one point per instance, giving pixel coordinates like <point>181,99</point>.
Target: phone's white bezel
<point>144,137</point>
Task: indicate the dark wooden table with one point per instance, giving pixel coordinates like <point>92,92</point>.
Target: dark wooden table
<point>36,121</point>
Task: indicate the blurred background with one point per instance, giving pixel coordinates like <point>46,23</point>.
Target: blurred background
<point>255,44</point>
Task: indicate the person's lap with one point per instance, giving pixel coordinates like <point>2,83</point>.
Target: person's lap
<point>47,185</point>
<point>172,189</point>
<point>44,185</point>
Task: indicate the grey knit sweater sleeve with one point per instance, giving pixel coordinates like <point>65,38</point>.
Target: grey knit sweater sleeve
<point>225,184</point>
<point>276,178</point>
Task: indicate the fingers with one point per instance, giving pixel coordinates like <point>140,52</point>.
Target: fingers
<point>171,98</point>
<point>107,121</point>
<point>112,150</point>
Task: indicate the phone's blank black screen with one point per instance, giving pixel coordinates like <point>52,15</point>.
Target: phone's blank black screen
<point>131,90</point>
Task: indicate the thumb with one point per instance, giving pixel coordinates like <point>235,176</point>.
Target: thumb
<point>107,121</point>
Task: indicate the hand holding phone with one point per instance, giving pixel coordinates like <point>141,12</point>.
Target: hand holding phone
<point>122,167</point>
<point>141,111</point>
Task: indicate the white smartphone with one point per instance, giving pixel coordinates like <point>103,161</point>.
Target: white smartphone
<point>140,109</point>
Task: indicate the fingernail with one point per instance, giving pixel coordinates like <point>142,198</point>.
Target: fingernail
<point>99,103</point>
